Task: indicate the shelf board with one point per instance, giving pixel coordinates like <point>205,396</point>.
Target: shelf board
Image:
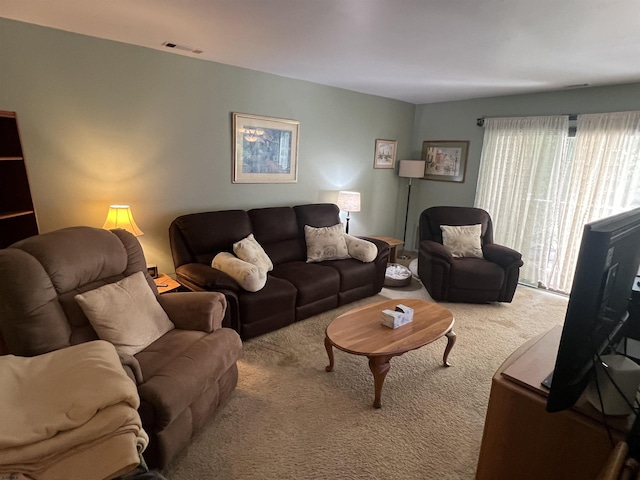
<point>22,213</point>
<point>8,159</point>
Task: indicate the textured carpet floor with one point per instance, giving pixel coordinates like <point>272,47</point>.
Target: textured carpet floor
<point>290,419</point>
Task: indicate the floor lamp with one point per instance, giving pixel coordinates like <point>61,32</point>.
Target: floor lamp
<point>348,202</point>
<point>409,169</point>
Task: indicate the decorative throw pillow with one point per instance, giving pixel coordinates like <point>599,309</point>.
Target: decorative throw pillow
<point>126,314</point>
<point>325,243</point>
<point>249,250</point>
<point>248,276</point>
<point>463,241</point>
<point>361,249</point>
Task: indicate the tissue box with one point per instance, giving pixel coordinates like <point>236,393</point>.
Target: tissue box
<point>398,317</point>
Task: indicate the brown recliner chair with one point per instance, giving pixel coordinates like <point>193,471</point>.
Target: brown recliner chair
<point>182,377</point>
<point>493,278</point>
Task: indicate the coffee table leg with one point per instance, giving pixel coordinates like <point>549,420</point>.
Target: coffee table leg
<point>451,340</point>
<point>329,347</point>
<point>379,367</point>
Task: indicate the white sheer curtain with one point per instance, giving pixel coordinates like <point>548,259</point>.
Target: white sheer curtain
<point>599,178</point>
<point>541,186</point>
<point>518,168</point>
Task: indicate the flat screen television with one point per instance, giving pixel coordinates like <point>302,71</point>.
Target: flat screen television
<point>606,270</point>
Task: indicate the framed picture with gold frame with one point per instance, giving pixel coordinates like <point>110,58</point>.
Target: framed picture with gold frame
<point>265,149</point>
<point>445,160</point>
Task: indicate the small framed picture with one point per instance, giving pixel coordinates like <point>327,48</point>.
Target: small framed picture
<point>445,160</point>
<point>385,154</point>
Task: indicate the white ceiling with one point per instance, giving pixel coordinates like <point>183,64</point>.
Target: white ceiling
<point>420,51</point>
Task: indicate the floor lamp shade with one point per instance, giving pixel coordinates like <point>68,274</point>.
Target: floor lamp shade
<point>348,202</point>
<point>409,169</point>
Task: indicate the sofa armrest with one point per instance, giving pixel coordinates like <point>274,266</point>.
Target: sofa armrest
<point>202,311</point>
<point>383,247</point>
<point>205,278</point>
<point>504,256</point>
<point>436,250</point>
<point>380,261</point>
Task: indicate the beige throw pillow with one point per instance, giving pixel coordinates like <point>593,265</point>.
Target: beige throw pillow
<point>249,250</point>
<point>361,249</point>
<point>248,276</point>
<point>126,314</point>
<point>463,241</point>
<point>325,243</point>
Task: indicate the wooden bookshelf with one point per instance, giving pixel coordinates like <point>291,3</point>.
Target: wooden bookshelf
<point>17,215</point>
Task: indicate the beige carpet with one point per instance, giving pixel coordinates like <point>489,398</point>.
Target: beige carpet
<point>289,419</point>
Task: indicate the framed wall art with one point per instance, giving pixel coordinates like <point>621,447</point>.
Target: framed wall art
<point>445,160</point>
<point>385,154</point>
<point>265,149</point>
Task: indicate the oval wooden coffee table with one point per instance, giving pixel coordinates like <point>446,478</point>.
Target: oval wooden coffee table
<point>360,332</point>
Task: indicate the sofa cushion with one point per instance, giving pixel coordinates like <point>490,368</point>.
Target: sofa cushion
<point>361,249</point>
<point>325,243</point>
<point>431,219</point>
<point>276,228</point>
<point>271,308</point>
<point>316,215</point>
<point>313,282</point>
<point>198,237</point>
<point>248,276</point>
<point>77,256</point>
<point>476,274</point>
<point>463,240</point>
<point>249,250</point>
<point>126,313</point>
<point>179,366</point>
<point>353,273</point>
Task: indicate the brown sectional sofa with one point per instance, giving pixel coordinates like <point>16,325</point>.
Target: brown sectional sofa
<point>295,289</point>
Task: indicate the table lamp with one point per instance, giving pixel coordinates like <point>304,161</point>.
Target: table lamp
<point>409,169</point>
<point>120,216</point>
<point>348,202</point>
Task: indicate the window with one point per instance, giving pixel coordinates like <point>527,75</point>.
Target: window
<point>541,185</point>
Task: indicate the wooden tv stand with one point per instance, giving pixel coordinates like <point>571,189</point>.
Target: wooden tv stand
<point>522,440</point>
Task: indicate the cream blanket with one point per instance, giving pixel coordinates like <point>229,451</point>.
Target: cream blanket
<point>71,413</point>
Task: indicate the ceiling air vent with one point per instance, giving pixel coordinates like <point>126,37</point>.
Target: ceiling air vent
<point>181,47</point>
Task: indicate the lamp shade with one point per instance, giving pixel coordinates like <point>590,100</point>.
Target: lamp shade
<point>411,168</point>
<point>349,201</point>
<point>120,216</point>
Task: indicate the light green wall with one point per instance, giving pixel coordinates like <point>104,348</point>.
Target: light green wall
<point>104,122</point>
<point>457,121</point>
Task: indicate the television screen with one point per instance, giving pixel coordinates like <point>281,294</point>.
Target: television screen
<point>606,269</point>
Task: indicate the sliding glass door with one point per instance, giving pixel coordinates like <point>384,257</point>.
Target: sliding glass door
<point>541,185</point>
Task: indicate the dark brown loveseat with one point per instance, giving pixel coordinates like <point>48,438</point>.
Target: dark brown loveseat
<point>295,289</point>
<point>182,377</point>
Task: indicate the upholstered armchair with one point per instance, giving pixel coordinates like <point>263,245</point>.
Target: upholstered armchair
<point>462,263</point>
<point>79,284</point>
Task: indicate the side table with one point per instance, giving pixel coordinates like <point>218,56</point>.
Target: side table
<point>166,284</point>
<point>393,243</point>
